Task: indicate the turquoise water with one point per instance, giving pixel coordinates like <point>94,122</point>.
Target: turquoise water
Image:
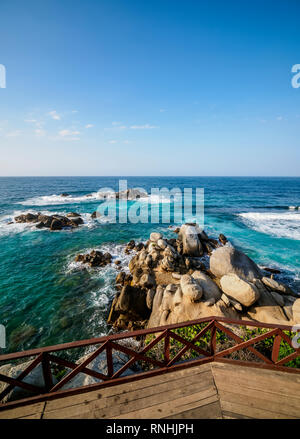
<point>45,298</point>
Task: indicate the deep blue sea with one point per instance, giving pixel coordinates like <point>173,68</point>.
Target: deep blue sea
<point>45,298</point>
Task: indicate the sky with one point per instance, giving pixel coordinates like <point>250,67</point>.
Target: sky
<point>156,87</point>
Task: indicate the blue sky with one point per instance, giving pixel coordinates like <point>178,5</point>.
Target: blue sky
<point>136,87</point>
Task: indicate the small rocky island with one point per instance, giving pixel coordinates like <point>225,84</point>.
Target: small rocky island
<point>52,222</point>
<point>194,276</point>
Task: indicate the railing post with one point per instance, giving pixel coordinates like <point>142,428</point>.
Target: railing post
<point>109,359</point>
<point>276,348</point>
<point>47,372</point>
<point>167,347</point>
<point>213,340</point>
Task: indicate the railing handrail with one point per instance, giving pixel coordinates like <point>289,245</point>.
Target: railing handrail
<point>210,353</point>
<point>138,333</point>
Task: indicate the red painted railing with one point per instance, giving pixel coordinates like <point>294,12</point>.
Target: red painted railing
<point>169,360</point>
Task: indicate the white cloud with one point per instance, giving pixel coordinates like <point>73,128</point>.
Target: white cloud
<point>65,133</point>
<point>127,141</point>
<point>89,125</point>
<point>54,115</point>
<point>30,120</point>
<point>112,141</point>
<point>13,133</point>
<point>279,118</point>
<point>116,123</point>
<point>143,127</point>
<point>39,132</point>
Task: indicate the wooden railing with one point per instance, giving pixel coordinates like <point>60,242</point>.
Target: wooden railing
<point>164,359</point>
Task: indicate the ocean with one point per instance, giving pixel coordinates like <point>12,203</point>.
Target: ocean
<point>46,298</point>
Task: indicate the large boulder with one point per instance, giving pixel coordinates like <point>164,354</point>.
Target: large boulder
<point>189,236</point>
<point>244,292</point>
<point>229,260</point>
<point>190,288</point>
<point>267,309</point>
<point>209,288</point>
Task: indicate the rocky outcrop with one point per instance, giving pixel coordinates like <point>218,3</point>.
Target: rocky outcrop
<point>52,222</point>
<point>94,259</point>
<point>173,280</point>
<point>229,260</point>
<point>189,235</point>
<point>129,309</point>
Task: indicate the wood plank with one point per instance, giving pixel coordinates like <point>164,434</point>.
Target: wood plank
<point>251,412</point>
<point>22,411</point>
<point>259,382</point>
<point>258,400</point>
<point>208,411</point>
<point>255,372</point>
<point>107,407</point>
<point>126,387</point>
<point>204,381</point>
<point>163,410</point>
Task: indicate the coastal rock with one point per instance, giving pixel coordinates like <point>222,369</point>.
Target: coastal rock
<point>175,307</point>
<point>279,287</point>
<point>72,214</point>
<point>296,311</point>
<point>229,260</point>
<point>53,222</point>
<point>95,258</point>
<point>223,239</point>
<point>154,237</point>
<point>244,292</point>
<point>266,309</point>
<point>131,304</point>
<point>35,378</point>
<point>190,288</point>
<point>189,236</point>
<point>209,288</point>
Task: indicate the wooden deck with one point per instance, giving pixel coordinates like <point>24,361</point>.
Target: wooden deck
<point>213,390</point>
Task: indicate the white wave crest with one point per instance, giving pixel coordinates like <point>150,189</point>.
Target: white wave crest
<point>48,200</point>
<point>282,225</point>
<point>54,199</point>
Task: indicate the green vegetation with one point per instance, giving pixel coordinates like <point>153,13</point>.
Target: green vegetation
<point>222,342</point>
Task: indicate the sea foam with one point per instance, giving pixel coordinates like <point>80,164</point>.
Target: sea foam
<point>282,225</point>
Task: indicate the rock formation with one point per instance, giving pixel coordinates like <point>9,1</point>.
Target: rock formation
<point>194,276</point>
<point>95,258</point>
<point>52,222</point>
